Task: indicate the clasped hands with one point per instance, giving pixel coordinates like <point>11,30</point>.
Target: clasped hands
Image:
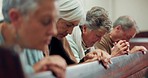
<point>122,47</point>
<point>98,54</point>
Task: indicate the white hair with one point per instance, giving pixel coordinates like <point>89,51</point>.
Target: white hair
<point>71,10</point>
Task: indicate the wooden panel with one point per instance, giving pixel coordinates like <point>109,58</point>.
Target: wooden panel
<point>139,42</point>
<point>140,74</point>
<point>122,67</point>
<point>142,34</point>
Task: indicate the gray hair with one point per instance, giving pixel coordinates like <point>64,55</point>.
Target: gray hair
<point>97,18</point>
<point>126,23</point>
<point>24,6</point>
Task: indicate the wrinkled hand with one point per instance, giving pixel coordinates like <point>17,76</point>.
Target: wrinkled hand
<point>138,48</point>
<point>100,55</point>
<point>120,48</point>
<point>54,63</point>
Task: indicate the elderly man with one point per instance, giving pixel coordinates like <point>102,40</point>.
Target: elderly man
<point>84,36</point>
<point>116,42</point>
<point>31,24</point>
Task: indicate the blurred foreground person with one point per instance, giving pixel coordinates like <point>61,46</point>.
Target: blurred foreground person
<point>31,25</point>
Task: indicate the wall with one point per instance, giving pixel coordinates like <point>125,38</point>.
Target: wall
<point>138,9</point>
<point>88,4</point>
<point>1,17</point>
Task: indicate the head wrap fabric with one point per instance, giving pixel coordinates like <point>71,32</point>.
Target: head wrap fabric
<point>70,10</point>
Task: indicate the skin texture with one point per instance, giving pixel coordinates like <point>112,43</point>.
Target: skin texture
<point>65,27</point>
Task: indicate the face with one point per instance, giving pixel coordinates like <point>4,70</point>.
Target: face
<point>65,27</point>
<point>127,34</point>
<point>37,29</point>
<point>90,37</point>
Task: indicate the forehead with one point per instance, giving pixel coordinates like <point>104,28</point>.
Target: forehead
<point>100,31</point>
<point>131,31</point>
<point>75,23</point>
<point>45,7</point>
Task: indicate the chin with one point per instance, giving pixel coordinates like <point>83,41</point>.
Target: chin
<point>59,38</point>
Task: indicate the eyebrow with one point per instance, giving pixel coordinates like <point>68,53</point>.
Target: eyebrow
<point>72,24</point>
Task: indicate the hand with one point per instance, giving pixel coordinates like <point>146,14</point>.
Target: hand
<point>100,55</point>
<point>120,48</point>
<point>105,59</point>
<point>138,48</point>
<point>54,63</point>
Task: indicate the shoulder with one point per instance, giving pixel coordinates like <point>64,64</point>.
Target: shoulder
<point>71,41</point>
<point>102,43</point>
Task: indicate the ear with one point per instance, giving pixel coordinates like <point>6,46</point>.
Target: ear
<point>84,29</point>
<point>118,28</point>
<point>14,16</point>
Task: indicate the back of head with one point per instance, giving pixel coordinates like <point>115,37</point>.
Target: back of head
<point>126,22</point>
<point>97,18</point>
<point>23,6</point>
<point>70,10</point>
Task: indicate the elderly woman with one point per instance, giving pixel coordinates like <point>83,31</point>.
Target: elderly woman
<point>31,24</point>
<point>71,12</point>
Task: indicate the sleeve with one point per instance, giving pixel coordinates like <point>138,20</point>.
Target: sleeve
<point>28,69</point>
<point>98,45</point>
<point>73,47</point>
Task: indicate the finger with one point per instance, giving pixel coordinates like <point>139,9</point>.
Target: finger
<point>58,72</point>
<point>124,49</point>
<point>123,45</point>
<point>105,65</point>
<point>125,52</point>
<point>92,59</point>
<point>121,41</point>
<point>110,61</point>
<point>127,43</point>
<point>115,43</point>
<point>144,52</point>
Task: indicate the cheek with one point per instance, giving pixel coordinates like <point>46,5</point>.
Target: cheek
<point>61,28</point>
<point>35,30</point>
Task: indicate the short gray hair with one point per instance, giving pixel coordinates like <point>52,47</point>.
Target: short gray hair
<point>24,6</point>
<point>97,17</point>
<point>126,23</point>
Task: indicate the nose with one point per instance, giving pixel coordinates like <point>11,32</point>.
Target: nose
<point>70,30</point>
<point>52,29</point>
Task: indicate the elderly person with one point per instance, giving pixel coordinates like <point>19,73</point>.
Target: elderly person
<point>31,24</point>
<point>116,42</point>
<point>84,36</point>
<point>71,12</point>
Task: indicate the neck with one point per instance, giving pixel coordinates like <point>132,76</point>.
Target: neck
<point>84,42</point>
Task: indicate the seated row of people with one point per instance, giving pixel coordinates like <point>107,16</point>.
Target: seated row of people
<point>37,28</point>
